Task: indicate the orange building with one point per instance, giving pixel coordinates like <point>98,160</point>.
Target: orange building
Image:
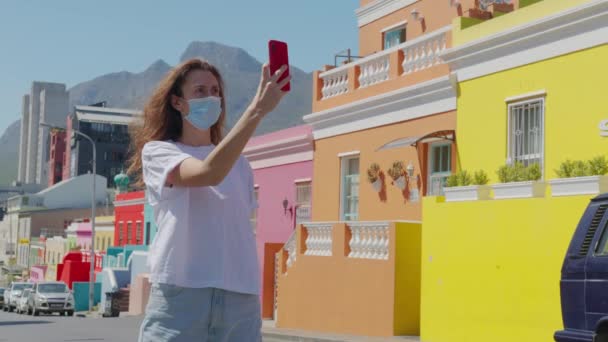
<point>384,130</point>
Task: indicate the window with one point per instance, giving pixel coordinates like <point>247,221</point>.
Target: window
<point>394,37</point>
<point>440,167</point>
<point>303,199</point>
<point>138,231</point>
<point>147,233</point>
<point>129,231</point>
<point>349,191</point>
<point>120,225</point>
<point>254,214</point>
<point>602,246</point>
<point>526,132</point>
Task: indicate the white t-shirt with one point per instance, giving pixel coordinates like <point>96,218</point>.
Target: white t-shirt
<point>205,238</point>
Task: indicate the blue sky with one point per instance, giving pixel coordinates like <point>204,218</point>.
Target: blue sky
<point>71,41</point>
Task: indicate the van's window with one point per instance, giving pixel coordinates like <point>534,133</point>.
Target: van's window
<point>602,246</point>
<point>593,228</point>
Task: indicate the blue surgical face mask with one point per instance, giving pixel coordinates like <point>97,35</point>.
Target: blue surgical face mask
<point>204,112</point>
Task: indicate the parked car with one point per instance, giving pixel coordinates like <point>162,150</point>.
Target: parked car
<point>15,290</point>
<point>6,297</point>
<point>1,297</point>
<point>584,280</point>
<point>22,306</point>
<point>50,297</point>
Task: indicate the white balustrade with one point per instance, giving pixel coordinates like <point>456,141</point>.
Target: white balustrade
<point>290,247</point>
<point>319,241</point>
<point>369,240</point>
<point>334,83</point>
<point>423,52</point>
<point>374,71</point>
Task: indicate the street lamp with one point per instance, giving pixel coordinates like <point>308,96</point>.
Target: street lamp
<point>92,251</point>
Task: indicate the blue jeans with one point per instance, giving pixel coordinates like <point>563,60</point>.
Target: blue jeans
<point>178,314</point>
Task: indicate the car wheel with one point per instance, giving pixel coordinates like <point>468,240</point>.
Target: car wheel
<point>35,312</point>
<point>70,313</point>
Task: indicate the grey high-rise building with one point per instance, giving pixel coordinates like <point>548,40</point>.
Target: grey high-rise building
<point>47,102</point>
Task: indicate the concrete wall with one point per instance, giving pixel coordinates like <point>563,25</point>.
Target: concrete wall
<point>137,264</point>
<point>138,297</point>
<point>350,295</point>
<point>491,269</point>
<point>80,291</point>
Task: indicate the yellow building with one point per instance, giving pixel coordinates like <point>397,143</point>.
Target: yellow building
<point>104,233</point>
<point>531,89</point>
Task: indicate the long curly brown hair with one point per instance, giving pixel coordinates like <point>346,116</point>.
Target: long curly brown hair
<point>160,121</point>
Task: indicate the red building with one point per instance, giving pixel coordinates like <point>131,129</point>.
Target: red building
<point>129,218</point>
<point>57,157</point>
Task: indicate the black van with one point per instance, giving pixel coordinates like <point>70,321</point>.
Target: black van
<point>584,282</point>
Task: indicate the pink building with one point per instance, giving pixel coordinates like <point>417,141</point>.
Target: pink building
<point>282,167</point>
<point>79,233</point>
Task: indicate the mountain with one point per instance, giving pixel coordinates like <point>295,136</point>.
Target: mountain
<point>9,153</point>
<point>241,73</point>
<point>121,89</point>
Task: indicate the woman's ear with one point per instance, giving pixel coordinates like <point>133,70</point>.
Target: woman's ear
<point>178,103</point>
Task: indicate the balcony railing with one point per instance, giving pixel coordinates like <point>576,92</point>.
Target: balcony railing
<point>418,54</point>
<point>290,247</point>
<point>319,239</point>
<point>303,214</point>
<point>369,240</point>
<point>436,185</point>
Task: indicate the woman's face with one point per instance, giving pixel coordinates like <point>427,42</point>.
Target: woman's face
<point>198,84</point>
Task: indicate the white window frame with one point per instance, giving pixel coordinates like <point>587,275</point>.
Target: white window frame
<point>344,159</point>
<point>400,26</point>
<point>512,104</point>
<point>430,165</point>
<point>303,183</point>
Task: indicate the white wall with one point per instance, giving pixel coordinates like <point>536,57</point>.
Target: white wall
<point>75,192</point>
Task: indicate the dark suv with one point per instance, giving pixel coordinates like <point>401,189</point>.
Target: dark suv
<point>584,282</point>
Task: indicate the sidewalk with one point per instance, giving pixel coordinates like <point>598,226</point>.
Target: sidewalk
<point>272,333</point>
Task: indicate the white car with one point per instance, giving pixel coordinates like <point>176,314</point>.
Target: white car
<point>22,302</point>
<point>15,292</point>
<point>50,297</point>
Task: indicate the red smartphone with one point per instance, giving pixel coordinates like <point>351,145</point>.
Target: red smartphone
<point>277,51</point>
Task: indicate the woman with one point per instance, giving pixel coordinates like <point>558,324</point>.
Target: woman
<point>203,262</point>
